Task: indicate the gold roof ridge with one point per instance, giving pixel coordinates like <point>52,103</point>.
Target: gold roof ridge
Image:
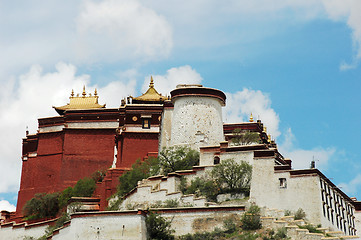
<point>151,95</point>
<point>81,102</point>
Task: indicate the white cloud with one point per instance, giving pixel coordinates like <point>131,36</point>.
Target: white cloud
<point>31,96</point>
<point>241,104</point>
<point>111,30</point>
<point>5,205</point>
<point>174,76</point>
<point>350,12</point>
<point>351,187</point>
<point>301,158</point>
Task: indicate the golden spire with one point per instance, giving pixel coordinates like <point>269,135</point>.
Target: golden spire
<point>81,102</point>
<point>151,84</point>
<point>84,93</point>
<point>151,95</point>
<point>264,129</point>
<point>251,118</point>
<point>269,137</point>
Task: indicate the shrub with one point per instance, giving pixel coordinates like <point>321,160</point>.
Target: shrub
<point>42,205</point>
<point>245,137</point>
<point>171,203</point>
<point>140,170</point>
<point>158,227</point>
<point>202,187</point>
<point>64,197</point>
<point>216,234</point>
<point>229,225</point>
<point>310,228</point>
<point>177,158</point>
<point>84,188</point>
<point>300,214</point>
<point>99,175</point>
<point>281,234</point>
<point>288,213</point>
<point>251,219</point>
<point>231,177</point>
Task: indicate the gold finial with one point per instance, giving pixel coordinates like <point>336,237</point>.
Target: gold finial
<point>151,84</point>
<point>264,129</point>
<point>72,93</point>
<point>84,91</point>
<point>251,118</point>
<point>269,137</point>
<point>95,92</point>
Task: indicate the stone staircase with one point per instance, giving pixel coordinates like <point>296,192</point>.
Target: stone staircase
<point>158,190</point>
<point>274,219</point>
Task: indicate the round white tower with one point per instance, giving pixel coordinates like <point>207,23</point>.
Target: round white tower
<point>197,116</point>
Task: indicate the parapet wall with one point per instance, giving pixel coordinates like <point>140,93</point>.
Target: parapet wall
<point>125,225</point>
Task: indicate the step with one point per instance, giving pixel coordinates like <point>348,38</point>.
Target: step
<point>351,237</point>
<point>287,218</point>
<point>314,236</point>
<point>324,230</point>
<point>335,233</point>
<point>267,221</point>
<point>280,223</point>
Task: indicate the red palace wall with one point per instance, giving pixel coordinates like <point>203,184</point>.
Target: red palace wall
<point>52,170</point>
<point>135,146</point>
<point>86,151</point>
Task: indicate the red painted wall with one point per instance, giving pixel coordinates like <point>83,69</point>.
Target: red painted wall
<point>135,146</point>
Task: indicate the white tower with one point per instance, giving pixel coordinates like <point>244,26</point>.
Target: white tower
<point>196,117</point>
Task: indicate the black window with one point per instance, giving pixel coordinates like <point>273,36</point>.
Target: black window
<point>146,123</point>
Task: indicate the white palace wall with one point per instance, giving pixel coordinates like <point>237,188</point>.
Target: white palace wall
<point>196,121</point>
<point>299,192</point>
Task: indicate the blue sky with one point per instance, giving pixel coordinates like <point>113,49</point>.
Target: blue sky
<point>295,64</point>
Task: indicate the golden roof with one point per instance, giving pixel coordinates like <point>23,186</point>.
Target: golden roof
<point>251,118</point>
<point>151,95</point>
<point>83,102</point>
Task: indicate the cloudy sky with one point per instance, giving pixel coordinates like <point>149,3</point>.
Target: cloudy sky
<point>295,64</point>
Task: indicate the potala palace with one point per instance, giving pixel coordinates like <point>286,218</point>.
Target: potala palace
<point>86,137</point>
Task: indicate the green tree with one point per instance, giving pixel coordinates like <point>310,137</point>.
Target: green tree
<point>64,197</point>
<point>42,205</point>
<point>140,170</point>
<point>244,137</point>
<point>202,187</point>
<point>158,228</point>
<point>231,177</point>
<point>251,220</point>
<point>84,188</point>
<point>177,158</point>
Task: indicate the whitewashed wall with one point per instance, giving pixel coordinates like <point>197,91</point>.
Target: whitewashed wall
<point>197,121</point>
<point>10,233</point>
<point>119,226</point>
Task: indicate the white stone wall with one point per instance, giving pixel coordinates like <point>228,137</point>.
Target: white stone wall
<point>202,221</point>
<point>197,121</point>
<point>51,129</point>
<point>165,129</point>
<point>301,192</point>
<point>105,227</point>
<point>9,233</point>
<point>93,125</point>
<point>246,156</point>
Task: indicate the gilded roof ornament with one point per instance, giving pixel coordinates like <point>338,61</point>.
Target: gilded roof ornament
<point>84,93</point>
<point>251,118</point>
<point>151,95</point>
<point>81,102</point>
